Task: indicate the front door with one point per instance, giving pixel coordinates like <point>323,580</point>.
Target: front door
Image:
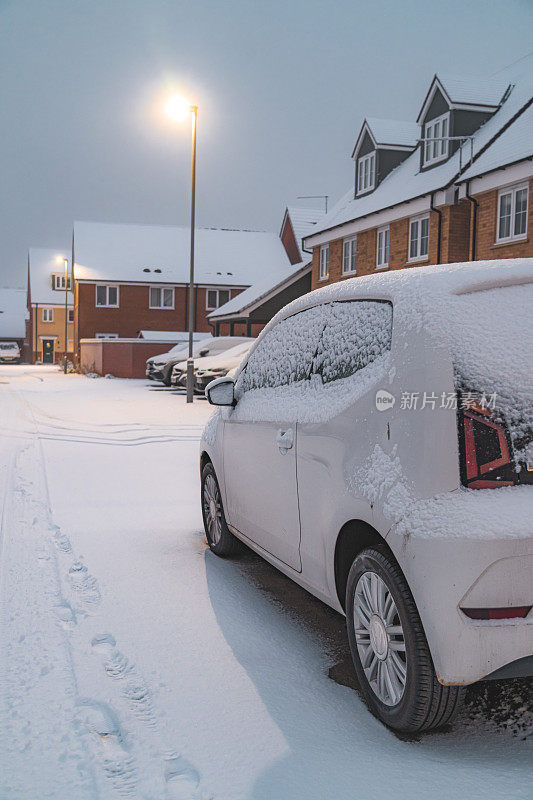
<point>48,351</point>
<point>261,490</point>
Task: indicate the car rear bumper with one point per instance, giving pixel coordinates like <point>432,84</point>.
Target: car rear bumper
<point>449,573</point>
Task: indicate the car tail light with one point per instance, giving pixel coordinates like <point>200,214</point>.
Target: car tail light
<point>485,450</point>
<point>497,613</point>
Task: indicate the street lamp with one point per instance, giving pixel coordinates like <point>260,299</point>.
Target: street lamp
<point>177,109</point>
<point>65,261</point>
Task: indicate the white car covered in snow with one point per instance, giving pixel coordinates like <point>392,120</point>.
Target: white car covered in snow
<point>217,347</point>
<point>212,367</point>
<point>9,353</point>
<point>375,446</point>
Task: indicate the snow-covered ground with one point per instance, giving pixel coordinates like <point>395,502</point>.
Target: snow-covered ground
<point>134,663</point>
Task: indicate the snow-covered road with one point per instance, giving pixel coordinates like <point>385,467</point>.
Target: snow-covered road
<point>134,663</point>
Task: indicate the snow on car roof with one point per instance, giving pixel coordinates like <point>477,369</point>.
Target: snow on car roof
<point>407,182</point>
<point>160,254</point>
<point>400,285</point>
<point>13,313</point>
<point>43,265</point>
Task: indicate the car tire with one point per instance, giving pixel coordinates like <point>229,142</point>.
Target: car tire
<point>390,651</point>
<point>219,538</point>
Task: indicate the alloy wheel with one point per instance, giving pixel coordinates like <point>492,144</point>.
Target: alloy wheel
<point>380,638</point>
<point>212,509</point>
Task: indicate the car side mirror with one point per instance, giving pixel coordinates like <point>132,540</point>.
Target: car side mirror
<point>203,352</point>
<point>221,392</point>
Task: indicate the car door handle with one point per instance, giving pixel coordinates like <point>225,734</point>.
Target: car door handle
<point>285,440</point>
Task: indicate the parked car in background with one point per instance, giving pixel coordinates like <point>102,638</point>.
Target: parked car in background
<point>159,368</point>
<point>376,446</point>
<point>217,366</point>
<point>217,346</point>
<point>9,353</point>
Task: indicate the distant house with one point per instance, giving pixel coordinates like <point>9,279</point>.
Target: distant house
<point>455,185</point>
<point>250,311</point>
<point>132,278</point>
<point>46,303</point>
<point>13,318</point>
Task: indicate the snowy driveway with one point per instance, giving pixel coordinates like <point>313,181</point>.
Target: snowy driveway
<point>134,663</point>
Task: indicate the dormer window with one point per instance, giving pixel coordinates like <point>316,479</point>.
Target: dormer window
<point>366,173</point>
<point>437,132</point>
<point>59,281</point>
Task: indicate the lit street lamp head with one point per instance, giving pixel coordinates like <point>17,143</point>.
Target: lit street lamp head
<point>178,108</point>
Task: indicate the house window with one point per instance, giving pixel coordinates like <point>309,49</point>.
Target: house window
<point>59,282</point>
<point>512,213</point>
<point>106,335</point>
<point>324,262</point>
<point>419,238</point>
<point>382,255</point>
<point>71,315</point>
<point>48,314</point>
<point>438,130</point>
<point>366,173</point>
<point>349,256</point>
<point>161,297</point>
<point>216,298</point>
<point>107,296</point>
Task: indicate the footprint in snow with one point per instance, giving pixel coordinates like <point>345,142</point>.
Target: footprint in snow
<point>108,746</point>
<point>84,583</point>
<point>61,540</point>
<point>65,614</point>
<point>132,684</point>
<point>181,780</point>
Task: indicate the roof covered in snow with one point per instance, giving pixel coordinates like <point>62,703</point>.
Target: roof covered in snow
<point>12,313</point>
<point>160,254</point>
<point>464,89</point>
<point>273,283</point>
<point>303,221</point>
<point>43,265</point>
<point>393,132</point>
<point>408,182</point>
<point>514,144</point>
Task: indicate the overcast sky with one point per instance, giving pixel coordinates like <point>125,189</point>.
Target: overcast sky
<point>282,88</point>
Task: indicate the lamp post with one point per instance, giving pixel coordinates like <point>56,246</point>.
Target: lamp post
<point>177,108</point>
<point>65,262</point>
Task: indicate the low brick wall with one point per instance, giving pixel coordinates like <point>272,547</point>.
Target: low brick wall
<point>123,358</point>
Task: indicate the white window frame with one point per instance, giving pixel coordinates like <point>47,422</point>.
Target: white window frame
<point>106,336</point>
<point>323,269</point>
<point>70,312</point>
<point>107,287</point>
<point>366,172</point>
<point>223,289</point>
<point>59,282</point>
<point>512,190</point>
<point>48,315</point>
<point>419,256</point>
<point>383,233</point>
<point>349,255</point>
<point>162,289</point>
<point>436,151</point>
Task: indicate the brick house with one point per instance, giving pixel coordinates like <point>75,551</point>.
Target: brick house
<point>248,313</point>
<point>46,306</point>
<point>453,186</point>
<point>129,278</point>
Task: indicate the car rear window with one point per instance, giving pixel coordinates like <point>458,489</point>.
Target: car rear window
<point>492,345</point>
